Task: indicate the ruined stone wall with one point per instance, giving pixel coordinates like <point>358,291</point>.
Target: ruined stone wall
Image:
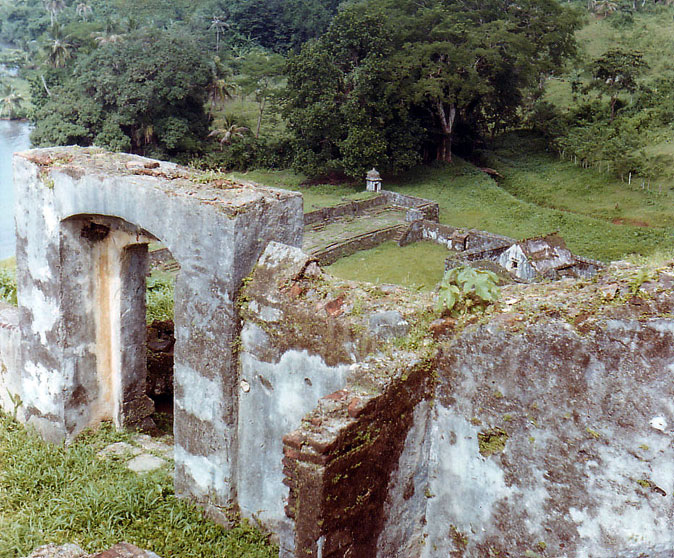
<point>338,464</point>
<point>423,208</point>
<point>84,221</point>
<point>550,432</point>
<point>10,368</point>
<point>350,208</point>
<point>322,411</point>
<point>365,241</point>
<point>543,430</point>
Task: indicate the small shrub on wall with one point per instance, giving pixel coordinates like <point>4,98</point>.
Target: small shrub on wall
<point>7,286</point>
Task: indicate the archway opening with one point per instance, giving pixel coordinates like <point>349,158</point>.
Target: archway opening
<point>160,287</point>
<point>121,295</point>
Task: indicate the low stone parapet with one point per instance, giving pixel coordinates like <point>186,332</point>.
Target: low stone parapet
<point>350,208</point>
<point>334,252</point>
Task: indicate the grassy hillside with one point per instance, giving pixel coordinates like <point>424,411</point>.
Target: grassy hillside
<point>525,205</point>
<point>652,35</point>
<point>533,175</point>
<point>470,198</point>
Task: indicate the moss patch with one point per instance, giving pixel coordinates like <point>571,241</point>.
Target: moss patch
<point>492,441</point>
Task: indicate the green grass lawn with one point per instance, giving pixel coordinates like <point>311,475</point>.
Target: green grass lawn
<point>418,265</point>
<point>470,198</point>
<point>535,176</point>
<point>58,494</point>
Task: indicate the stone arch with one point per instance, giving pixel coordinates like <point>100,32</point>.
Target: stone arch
<point>84,218</point>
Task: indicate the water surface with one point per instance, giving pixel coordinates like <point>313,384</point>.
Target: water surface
<point>13,137</point>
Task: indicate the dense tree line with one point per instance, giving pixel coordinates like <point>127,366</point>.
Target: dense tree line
<point>385,83</point>
<point>395,81</point>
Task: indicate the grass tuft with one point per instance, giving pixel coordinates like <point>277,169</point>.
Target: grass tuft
<point>59,494</point>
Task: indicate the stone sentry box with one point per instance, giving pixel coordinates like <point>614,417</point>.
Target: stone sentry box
<point>84,219</point>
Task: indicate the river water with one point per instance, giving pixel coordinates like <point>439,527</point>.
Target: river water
<point>13,137</point>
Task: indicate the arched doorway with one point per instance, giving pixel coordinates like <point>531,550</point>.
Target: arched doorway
<point>84,219</point>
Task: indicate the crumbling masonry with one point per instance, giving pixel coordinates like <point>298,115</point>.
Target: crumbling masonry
<point>351,419</point>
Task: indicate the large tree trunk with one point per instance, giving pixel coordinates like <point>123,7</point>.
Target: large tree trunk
<point>444,152</point>
<point>259,118</point>
<point>613,102</point>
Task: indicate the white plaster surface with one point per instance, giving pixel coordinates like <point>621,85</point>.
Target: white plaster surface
<point>279,397</point>
<point>463,485</point>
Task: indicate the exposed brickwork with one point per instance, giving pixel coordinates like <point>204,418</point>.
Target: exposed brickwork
<point>338,464</point>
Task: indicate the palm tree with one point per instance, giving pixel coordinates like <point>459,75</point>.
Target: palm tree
<point>219,91</point>
<point>83,10</point>
<point>219,26</point>
<point>59,50</point>
<point>54,7</point>
<point>10,100</point>
<point>229,132</point>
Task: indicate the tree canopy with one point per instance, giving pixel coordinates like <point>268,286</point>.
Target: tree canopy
<point>392,80</point>
<point>145,93</point>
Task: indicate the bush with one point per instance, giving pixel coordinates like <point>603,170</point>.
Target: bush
<point>247,153</point>
<point>465,289</point>
<point>7,287</point>
<point>159,297</point>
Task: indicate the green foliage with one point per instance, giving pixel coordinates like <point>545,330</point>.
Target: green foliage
<point>280,25</point>
<point>616,72</point>
<point>392,80</point>
<point>7,286</point>
<point>145,93</point>
<point>11,102</point>
<point>261,77</point>
<point>53,493</point>
<point>466,289</point>
<point>341,110</point>
<point>492,441</point>
<point>247,152</point>
<point>160,297</point>
<point>617,103</point>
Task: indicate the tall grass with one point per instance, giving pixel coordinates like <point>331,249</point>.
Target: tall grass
<point>159,297</point>
<point>55,493</point>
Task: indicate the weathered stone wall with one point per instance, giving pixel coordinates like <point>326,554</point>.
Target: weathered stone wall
<point>365,241</point>
<point>351,208</point>
<point>477,243</point>
<point>550,433</point>
<point>425,209</point>
<point>545,430</point>
<point>280,382</point>
<point>338,464</point>
<point>84,220</point>
<point>307,359</point>
<point>10,367</point>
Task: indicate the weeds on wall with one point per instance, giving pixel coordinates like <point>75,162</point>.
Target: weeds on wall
<point>464,289</point>
<point>7,286</point>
